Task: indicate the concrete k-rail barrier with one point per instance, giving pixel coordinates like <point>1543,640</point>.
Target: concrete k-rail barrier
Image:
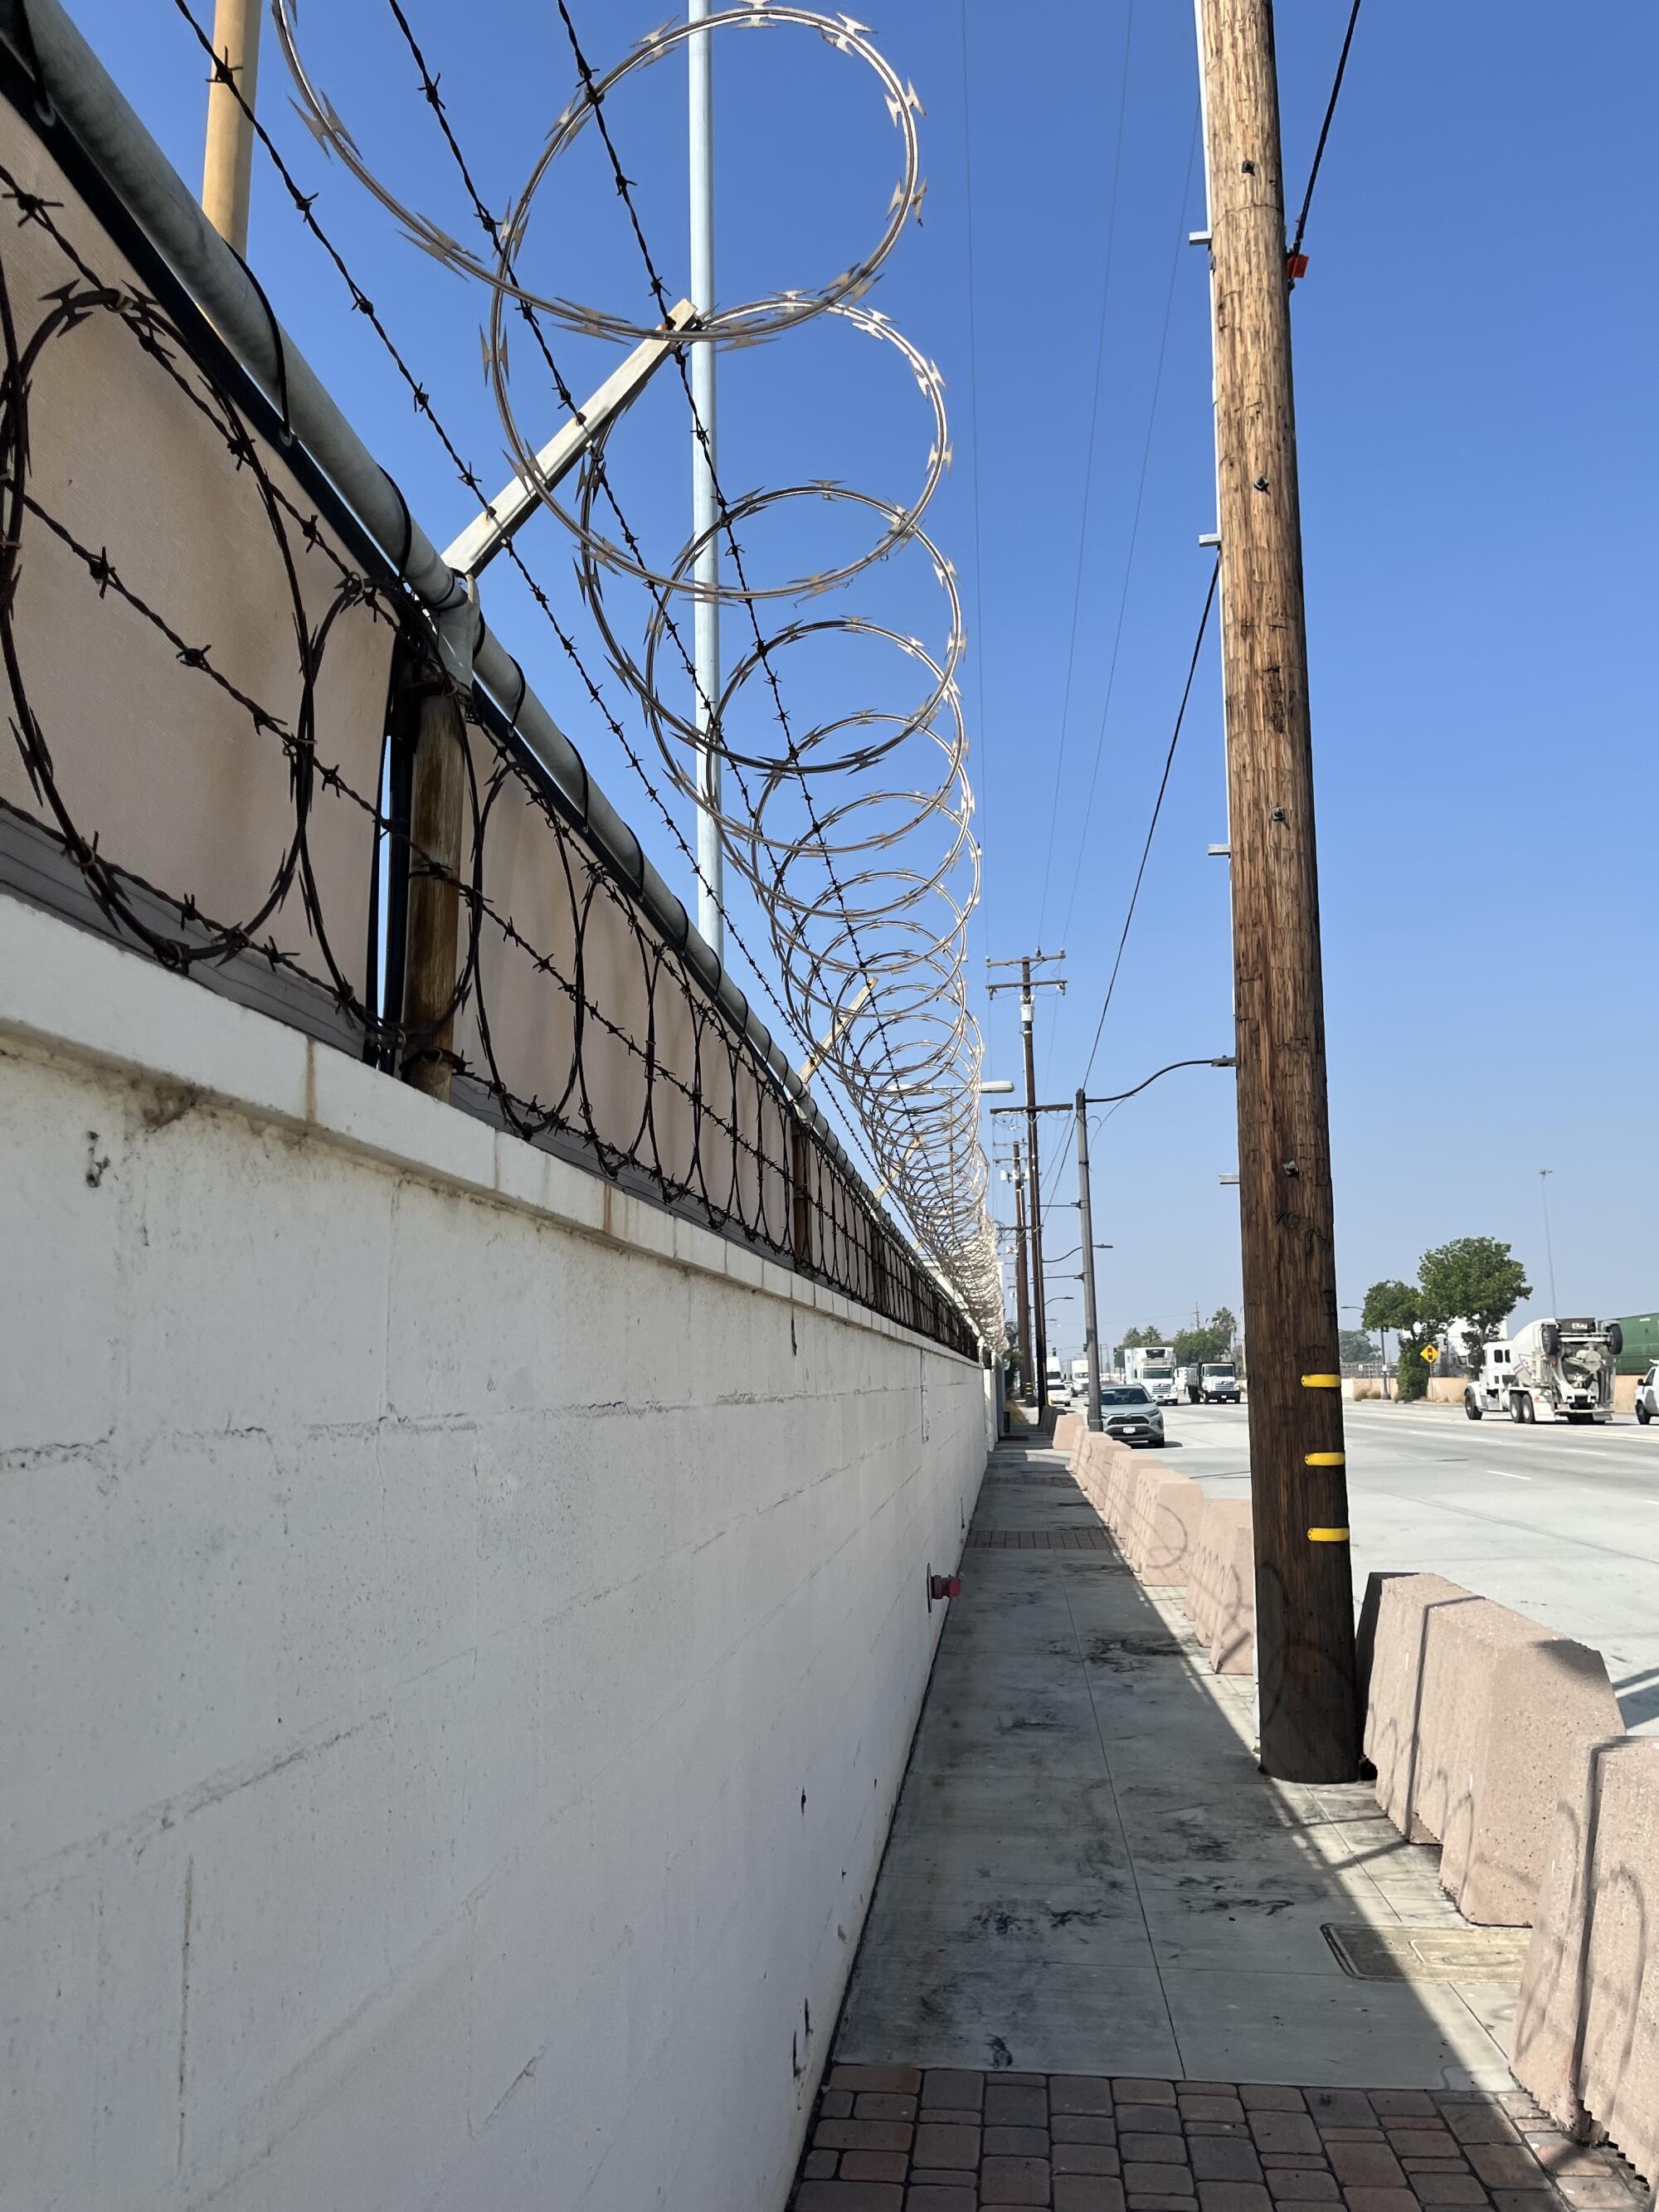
<point>1173,1537</point>
<point>1476,1721</point>
<point>1070,1428</point>
<point>1141,1477</point>
<point>1092,1470</point>
<point>1586,2040</point>
<point>1121,1484</point>
<point>1221,1587</point>
<point>1170,1509</point>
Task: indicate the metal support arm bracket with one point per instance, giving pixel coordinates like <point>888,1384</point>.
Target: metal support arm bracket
<point>499,522</point>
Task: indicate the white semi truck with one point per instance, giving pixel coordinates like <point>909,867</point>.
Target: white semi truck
<point>1152,1365</point>
<point>1550,1371</point>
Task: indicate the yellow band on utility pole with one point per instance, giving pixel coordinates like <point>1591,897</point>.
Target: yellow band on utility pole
<point>1328,1535</point>
<point>1326,1459</point>
<point>1322,1381</point>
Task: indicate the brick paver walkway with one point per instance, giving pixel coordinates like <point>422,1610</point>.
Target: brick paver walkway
<point>1040,1540</point>
<point>897,2139</point>
<point>1087,1873</point>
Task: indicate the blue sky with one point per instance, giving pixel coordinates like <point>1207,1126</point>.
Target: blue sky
<point>1475,344</point>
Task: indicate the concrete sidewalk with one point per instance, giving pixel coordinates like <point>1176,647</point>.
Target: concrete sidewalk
<point>1094,1908</point>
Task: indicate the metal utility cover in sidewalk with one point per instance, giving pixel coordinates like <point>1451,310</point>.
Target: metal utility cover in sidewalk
<point>1430,1954</point>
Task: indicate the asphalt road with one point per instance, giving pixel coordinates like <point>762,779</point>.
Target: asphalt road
<point>1559,1523</point>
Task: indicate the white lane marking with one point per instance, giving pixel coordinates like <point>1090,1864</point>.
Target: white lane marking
<point>1509,1473</point>
<point>1573,1453</point>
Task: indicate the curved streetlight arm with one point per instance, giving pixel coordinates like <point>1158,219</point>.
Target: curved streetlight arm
<point>1116,1097</point>
<point>1080,1107</point>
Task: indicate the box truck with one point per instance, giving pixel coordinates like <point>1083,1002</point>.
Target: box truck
<point>1152,1365</point>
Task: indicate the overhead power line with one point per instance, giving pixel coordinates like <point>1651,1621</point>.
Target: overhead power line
<point>1089,462</point>
<point>1324,131</point>
<point>1151,827</point>
<point>1134,530</point>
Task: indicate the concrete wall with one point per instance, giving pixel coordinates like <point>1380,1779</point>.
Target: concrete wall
<point>460,1635</point>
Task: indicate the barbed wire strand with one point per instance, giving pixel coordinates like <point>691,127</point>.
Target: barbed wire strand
<point>304,206</point>
<point>66,310</point>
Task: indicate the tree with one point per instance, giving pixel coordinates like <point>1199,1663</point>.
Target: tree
<point>1354,1348</point>
<point>1411,1370</point>
<point>1475,1280</point>
<point>1193,1346</point>
<point>1392,1304</point>
<point>1398,1306</point>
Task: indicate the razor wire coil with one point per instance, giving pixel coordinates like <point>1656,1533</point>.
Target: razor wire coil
<point>711,1135</point>
<point>879,957</point>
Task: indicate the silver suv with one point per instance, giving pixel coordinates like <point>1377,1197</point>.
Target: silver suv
<point>1127,1412</point>
<point>1647,1396</point>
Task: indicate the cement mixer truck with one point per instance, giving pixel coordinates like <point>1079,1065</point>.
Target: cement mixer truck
<point>1551,1370</point>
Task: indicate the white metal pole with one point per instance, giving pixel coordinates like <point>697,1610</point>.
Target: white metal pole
<point>706,614</point>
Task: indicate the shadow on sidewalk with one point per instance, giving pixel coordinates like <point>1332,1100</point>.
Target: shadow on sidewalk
<point>1089,1875</point>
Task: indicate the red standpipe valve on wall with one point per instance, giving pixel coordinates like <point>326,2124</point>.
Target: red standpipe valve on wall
<point>945,1586</point>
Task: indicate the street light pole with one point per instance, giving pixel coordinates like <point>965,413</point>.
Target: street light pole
<point>1091,1330</point>
<point>1543,1175</point>
<point>1039,1302</point>
<point>705,506</point>
<point>1034,1164</point>
<point>1022,1285</point>
<point>1077,1106</point>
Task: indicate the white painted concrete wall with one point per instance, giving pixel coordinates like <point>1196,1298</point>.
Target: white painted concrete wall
<point>460,1637</point>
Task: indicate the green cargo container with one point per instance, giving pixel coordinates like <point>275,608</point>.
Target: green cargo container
<point>1641,1342</point>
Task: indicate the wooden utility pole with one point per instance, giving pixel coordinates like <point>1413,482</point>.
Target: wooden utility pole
<point>432,724</point>
<point>227,169</point>
<point>1022,1289</point>
<point>1039,1295</point>
<point>1086,1219</point>
<point>1304,1594</point>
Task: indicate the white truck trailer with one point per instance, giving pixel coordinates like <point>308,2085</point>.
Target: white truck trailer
<point>1152,1365</point>
<point>1551,1370</point>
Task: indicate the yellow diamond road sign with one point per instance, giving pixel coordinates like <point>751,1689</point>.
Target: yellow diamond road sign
<point>1430,1353</point>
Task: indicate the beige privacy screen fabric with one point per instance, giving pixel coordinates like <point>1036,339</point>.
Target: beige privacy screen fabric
<point>152,758</point>
<point>658,1077</point>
